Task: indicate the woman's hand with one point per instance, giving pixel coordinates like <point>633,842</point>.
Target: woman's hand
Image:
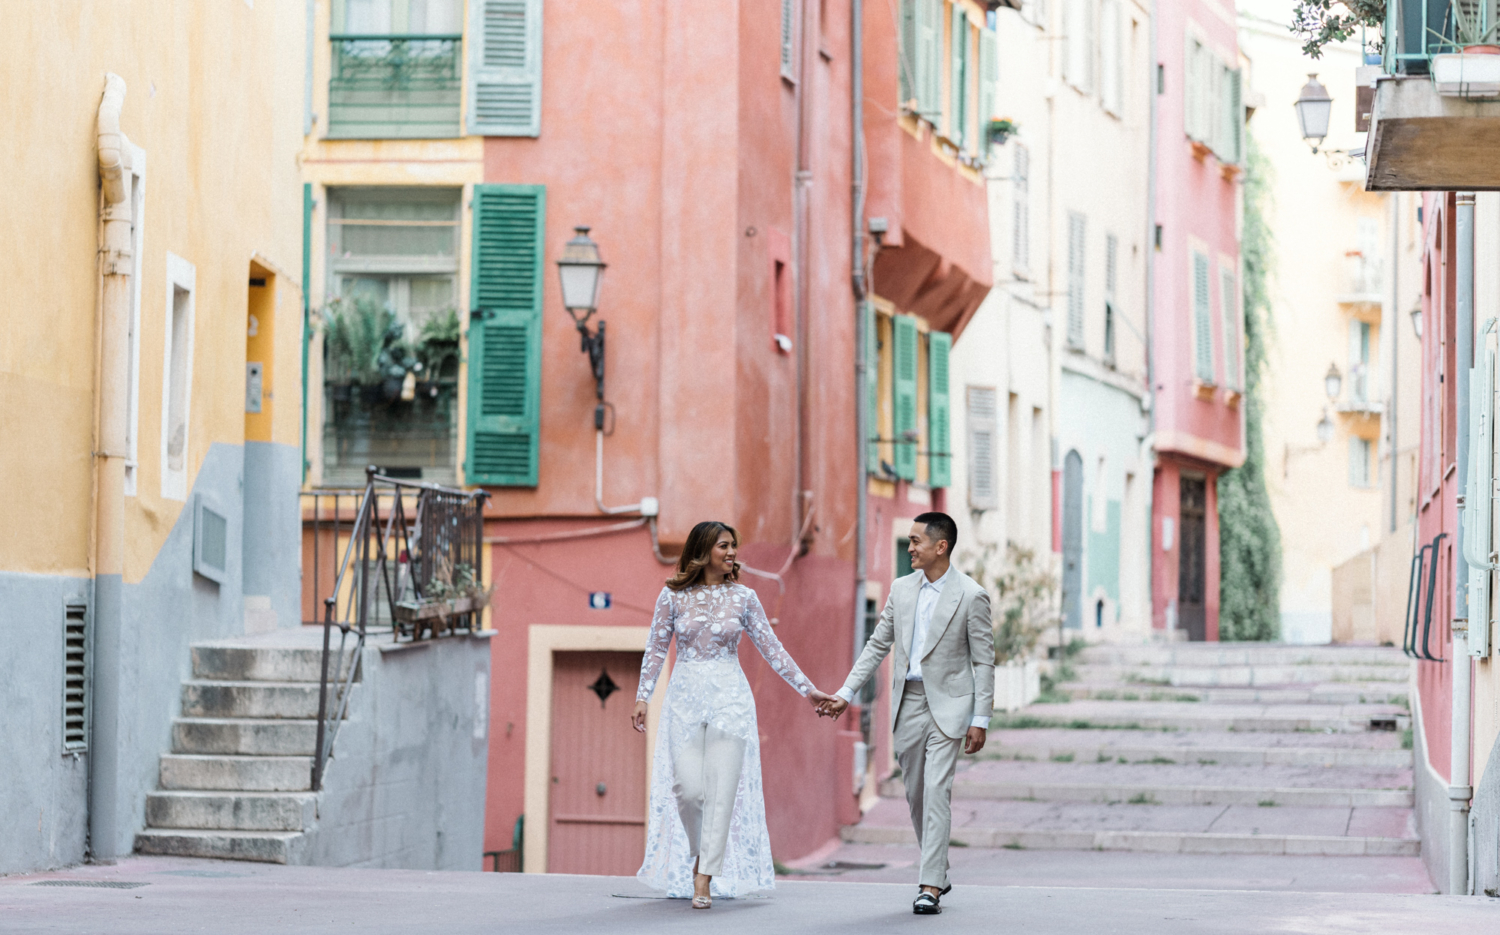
<point>638,717</point>
<point>821,701</point>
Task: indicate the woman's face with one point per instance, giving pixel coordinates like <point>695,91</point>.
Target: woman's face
<point>721,559</point>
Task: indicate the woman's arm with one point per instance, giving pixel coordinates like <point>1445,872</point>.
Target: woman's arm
<point>663,622</point>
<point>764,638</point>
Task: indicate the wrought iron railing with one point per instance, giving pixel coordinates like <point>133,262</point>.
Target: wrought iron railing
<point>408,564</point>
<point>1416,30</point>
<point>395,85</point>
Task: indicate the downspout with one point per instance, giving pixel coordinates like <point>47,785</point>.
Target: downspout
<point>307,214</point>
<point>115,263</point>
<point>861,314</point>
<point>1459,790</point>
<point>1154,63</point>
<point>1391,323</point>
<point>801,192</point>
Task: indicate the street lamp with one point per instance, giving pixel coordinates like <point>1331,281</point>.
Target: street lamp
<point>1314,106</point>
<point>1325,429</point>
<point>579,271</point>
<point>1416,319</point>
<point>1333,382</point>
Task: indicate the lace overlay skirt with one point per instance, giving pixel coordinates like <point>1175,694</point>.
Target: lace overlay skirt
<point>714,693</point>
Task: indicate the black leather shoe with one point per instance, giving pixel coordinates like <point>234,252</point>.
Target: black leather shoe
<point>926,904</point>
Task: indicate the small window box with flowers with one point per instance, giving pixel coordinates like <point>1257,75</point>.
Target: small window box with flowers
<point>1001,129</point>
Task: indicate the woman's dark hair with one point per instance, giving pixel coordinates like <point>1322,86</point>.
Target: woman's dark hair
<point>697,552</point>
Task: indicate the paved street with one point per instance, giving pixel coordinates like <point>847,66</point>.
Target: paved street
<point>158,895</point>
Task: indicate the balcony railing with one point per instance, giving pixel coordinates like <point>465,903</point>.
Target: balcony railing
<point>395,86</point>
<point>1416,30</point>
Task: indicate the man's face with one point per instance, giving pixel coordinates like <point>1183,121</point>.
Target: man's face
<point>923,548</point>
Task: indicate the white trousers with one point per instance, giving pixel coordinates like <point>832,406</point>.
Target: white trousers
<point>707,773</point>
<point>928,758</point>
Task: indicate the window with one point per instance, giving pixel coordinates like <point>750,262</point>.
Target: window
<point>1229,305</point>
<point>939,442</point>
<point>1195,87</point>
<point>1213,105</point>
<point>505,335</point>
<point>1078,44</point>
<point>1203,348</point>
<point>1230,116</point>
<point>904,395</point>
<point>921,65</point>
<point>1111,64</point>
<point>391,333</point>
<point>395,69</point>
<point>177,377</point>
<point>1360,391</point>
<point>1021,213</point>
<point>960,74</point>
<point>505,67</point>
<point>788,40</point>
<point>982,431</point>
<point>781,313</point>
<point>1111,267</point>
<point>1076,230</point>
<point>1359,462</point>
<point>989,80</point>
<point>133,351</point>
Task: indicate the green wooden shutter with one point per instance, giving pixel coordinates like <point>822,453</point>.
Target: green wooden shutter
<point>939,440</point>
<point>907,65</point>
<point>788,36</point>
<point>505,67</point>
<point>958,76</point>
<point>929,60</point>
<point>505,335</point>
<point>904,388</point>
<point>872,389</point>
<point>1234,118</point>
<point>1203,347</point>
<point>1229,305</point>
<point>1190,89</point>
<point>989,77</point>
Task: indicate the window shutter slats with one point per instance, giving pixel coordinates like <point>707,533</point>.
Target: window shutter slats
<point>909,55</point>
<point>505,67</point>
<point>939,440</point>
<point>929,60</point>
<point>904,394</point>
<point>1203,348</point>
<point>788,30</point>
<point>1229,302</point>
<point>984,487</point>
<point>958,77</point>
<point>872,390</point>
<point>989,76</point>
<point>1076,231</point>
<point>505,335</point>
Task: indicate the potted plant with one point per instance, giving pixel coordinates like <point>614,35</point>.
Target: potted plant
<point>1024,602</point>
<point>1474,70</point>
<point>1001,129</point>
<point>453,591</point>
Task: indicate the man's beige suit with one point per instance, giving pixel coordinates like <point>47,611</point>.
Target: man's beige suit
<point>930,717</point>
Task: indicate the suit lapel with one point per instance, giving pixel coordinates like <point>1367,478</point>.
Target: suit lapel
<point>942,614</point>
<point>904,592</point>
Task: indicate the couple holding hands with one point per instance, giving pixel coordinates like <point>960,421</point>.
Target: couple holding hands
<point>706,824</point>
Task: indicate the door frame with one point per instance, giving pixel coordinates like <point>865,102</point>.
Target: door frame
<point>543,640</point>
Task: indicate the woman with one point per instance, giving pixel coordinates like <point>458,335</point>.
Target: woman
<point>708,815</point>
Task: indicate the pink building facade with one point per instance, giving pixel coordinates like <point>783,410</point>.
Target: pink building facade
<point>1197,371</point>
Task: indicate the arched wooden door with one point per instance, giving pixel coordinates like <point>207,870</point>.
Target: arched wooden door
<point>597,820</point>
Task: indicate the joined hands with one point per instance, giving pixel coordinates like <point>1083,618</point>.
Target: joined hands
<point>827,705</point>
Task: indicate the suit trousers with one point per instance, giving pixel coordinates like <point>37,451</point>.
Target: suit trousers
<point>928,758</point>
<point>707,773</point>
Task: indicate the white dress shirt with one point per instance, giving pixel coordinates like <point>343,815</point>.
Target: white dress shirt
<point>927,599</point>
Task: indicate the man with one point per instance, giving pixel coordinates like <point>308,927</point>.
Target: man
<point>937,619</point>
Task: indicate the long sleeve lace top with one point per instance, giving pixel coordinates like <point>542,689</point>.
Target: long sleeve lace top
<point>708,621</point>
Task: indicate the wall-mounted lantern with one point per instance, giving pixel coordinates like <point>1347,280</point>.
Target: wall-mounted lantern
<point>580,271</point>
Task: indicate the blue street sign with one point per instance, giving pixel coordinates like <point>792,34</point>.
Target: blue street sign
<point>599,600</point>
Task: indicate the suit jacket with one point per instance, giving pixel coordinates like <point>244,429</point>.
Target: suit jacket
<point>958,660</point>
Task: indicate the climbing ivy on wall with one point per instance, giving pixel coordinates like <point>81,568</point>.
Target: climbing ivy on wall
<point>1249,539</point>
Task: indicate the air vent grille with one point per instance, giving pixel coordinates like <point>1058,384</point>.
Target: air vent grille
<point>75,678</point>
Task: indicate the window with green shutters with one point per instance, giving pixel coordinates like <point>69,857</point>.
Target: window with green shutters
<point>989,78</point>
<point>907,76</point>
<point>904,394</point>
<point>505,335</point>
<point>930,60</point>
<point>1203,342</point>
<point>939,442</point>
<point>395,69</point>
<point>958,77</point>
<point>505,67</point>
<point>872,388</point>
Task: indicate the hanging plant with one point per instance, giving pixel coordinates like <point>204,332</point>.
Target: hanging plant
<point>1325,22</point>
<point>1001,129</point>
<point>364,345</point>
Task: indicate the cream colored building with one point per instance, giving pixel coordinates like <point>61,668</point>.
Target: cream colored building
<point>1345,277</point>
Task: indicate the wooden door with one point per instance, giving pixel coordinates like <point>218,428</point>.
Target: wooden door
<point>1072,537</point>
<point>597,823</point>
<point>1191,557</point>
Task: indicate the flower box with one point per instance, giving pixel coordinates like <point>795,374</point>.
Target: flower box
<point>417,611</point>
<point>1017,684</point>
<point>1469,74</point>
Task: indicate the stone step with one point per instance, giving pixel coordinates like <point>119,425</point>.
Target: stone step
<point>1244,654</point>
<point>1154,794</point>
<point>245,737</point>
<point>1338,693</point>
<point>1149,677</point>
<point>273,847</point>
<point>1205,829</point>
<point>217,699</point>
<point>236,773</point>
<point>231,811</point>
<point>1087,748</point>
<point>239,663</point>
<point>1146,715</point>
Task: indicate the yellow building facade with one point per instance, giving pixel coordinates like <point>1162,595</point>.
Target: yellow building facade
<point>149,379</point>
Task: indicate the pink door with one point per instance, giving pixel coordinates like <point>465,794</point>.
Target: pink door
<point>598,809</point>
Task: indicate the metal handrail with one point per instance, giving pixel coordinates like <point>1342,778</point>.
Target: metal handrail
<point>444,529</point>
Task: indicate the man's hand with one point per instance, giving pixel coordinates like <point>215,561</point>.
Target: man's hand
<point>818,700</point>
<point>974,740</point>
<point>833,707</point>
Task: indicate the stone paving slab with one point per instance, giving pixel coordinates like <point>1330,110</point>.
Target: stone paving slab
<point>240,899</point>
<point>1143,770</point>
<point>1065,738</point>
<point>1353,718</point>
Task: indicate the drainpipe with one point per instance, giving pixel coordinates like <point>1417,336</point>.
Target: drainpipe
<point>861,316</point>
<point>1459,790</point>
<point>802,192</point>
<point>109,459</point>
<point>1149,443</point>
<point>1390,323</point>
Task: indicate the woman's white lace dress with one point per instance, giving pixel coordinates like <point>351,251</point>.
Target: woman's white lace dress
<point>708,687</point>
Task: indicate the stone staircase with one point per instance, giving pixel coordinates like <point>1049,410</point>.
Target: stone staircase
<point>236,783</point>
<point>1201,749</point>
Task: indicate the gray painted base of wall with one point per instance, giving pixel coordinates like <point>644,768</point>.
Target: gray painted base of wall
<point>1484,828</point>
<point>43,798</point>
<point>273,534</point>
<point>406,785</point>
<point>1430,801</point>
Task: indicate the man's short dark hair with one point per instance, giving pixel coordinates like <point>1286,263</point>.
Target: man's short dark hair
<point>940,526</point>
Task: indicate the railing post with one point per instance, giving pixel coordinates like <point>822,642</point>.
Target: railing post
<point>329,604</point>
